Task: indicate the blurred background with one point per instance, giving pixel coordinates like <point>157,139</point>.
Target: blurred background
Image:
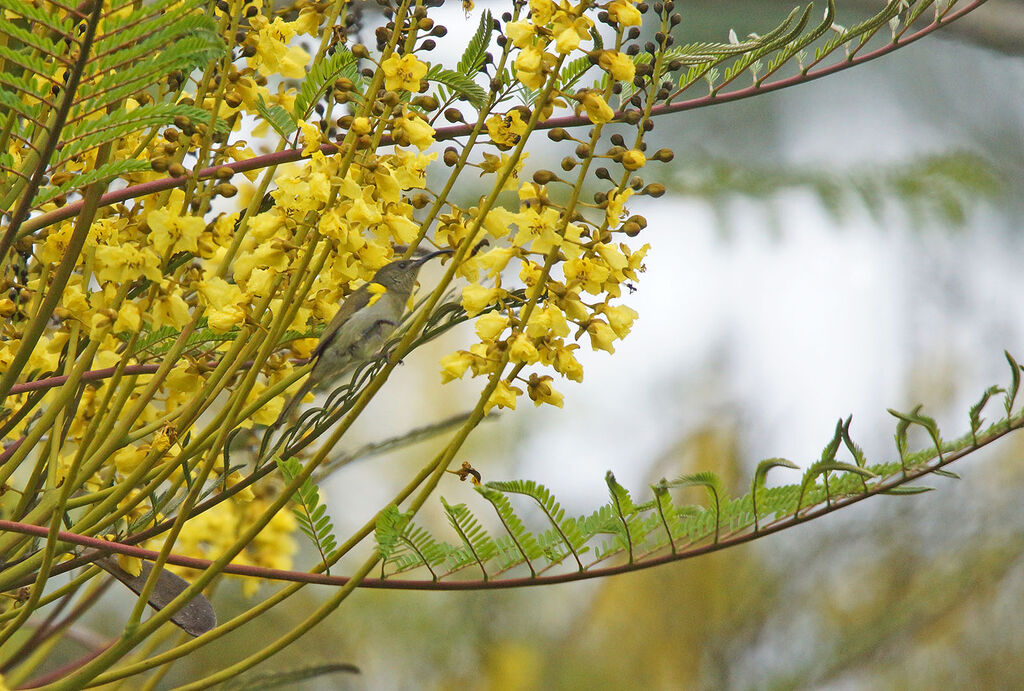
<point>838,248</point>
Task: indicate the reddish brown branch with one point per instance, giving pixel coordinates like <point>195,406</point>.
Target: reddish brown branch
<point>103,547</point>
<point>447,133</point>
<point>91,375</point>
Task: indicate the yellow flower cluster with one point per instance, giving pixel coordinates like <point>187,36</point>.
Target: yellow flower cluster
<point>549,276</point>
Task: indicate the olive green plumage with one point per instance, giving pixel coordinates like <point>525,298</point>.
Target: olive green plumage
<point>366,319</point>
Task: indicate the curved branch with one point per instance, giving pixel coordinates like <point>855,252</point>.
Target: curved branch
<point>448,133</point>
<point>104,547</point>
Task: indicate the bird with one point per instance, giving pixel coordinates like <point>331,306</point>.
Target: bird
<point>362,324</point>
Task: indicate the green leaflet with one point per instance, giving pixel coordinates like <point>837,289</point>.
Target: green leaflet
<point>459,83</point>
<point>476,50</point>
<point>81,96</point>
<point>644,531</point>
<point>341,63</point>
<point>277,117</point>
<point>309,511</point>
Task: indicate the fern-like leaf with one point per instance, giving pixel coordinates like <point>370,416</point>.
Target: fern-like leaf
<point>712,484</point>
<point>309,512</point>
<point>524,540</point>
<point>476,50</point>
<point>323,74</point>
<point>462,84</point>
<point>67,90</point>
<point>566,530</point>
<point>473,535</point>
<point>277,117</point>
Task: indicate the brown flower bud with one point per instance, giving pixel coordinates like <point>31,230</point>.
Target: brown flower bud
<point>427,103</point>
<point>663,155</point>
<point>543,177</point>
<point>453,115</point>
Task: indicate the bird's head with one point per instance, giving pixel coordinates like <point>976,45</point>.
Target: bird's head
<point>400,275</point>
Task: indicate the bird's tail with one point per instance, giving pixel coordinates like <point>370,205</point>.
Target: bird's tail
<point>292,406</point>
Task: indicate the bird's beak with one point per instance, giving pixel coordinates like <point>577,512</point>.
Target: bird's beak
<point>427,257</point>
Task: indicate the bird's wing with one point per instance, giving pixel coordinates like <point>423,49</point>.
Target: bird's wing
<point>353,303</point>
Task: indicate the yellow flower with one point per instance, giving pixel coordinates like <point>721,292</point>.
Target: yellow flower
<point>403,228</point>
<point>494,261</point>
<point>545,321</point>
<point>587,272</point>
<point>539,226</point>
<point>172,232</point>
<point>633,159</point>
<point>598,111</point>
<point>567,41</point>
<point>490,325</point>
<point>506,130</point>
<point>567,365</point>
<point>129,318</point>
<point>499,221</point>
<point>132,565</point>
<point>521,349</point>
<point>273,54</point>
<point>365,211</point>
<point>361,125</point>
<point>531,65</point>
<point>411,168</point>
<point>601,335</point>
<point>501,165</point>
<point>620,318</point>
<point>612,256</point>
<point>570,28</point>
<point>616,206</point>
<point>541,11</point>
<point>311,137</point>
<point>244,495</point>
<point>521,33</point>
<point>617,64</point>
<point>475,297</point>
<point>540,391</point>
<point>169,310</point>
<point>454,365</point>
<point>123,263</point>
<point>623,13</point>
<point>503,396</point>
<point>403,72</point>
<point>127,459</point>
<point>420,134</point>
